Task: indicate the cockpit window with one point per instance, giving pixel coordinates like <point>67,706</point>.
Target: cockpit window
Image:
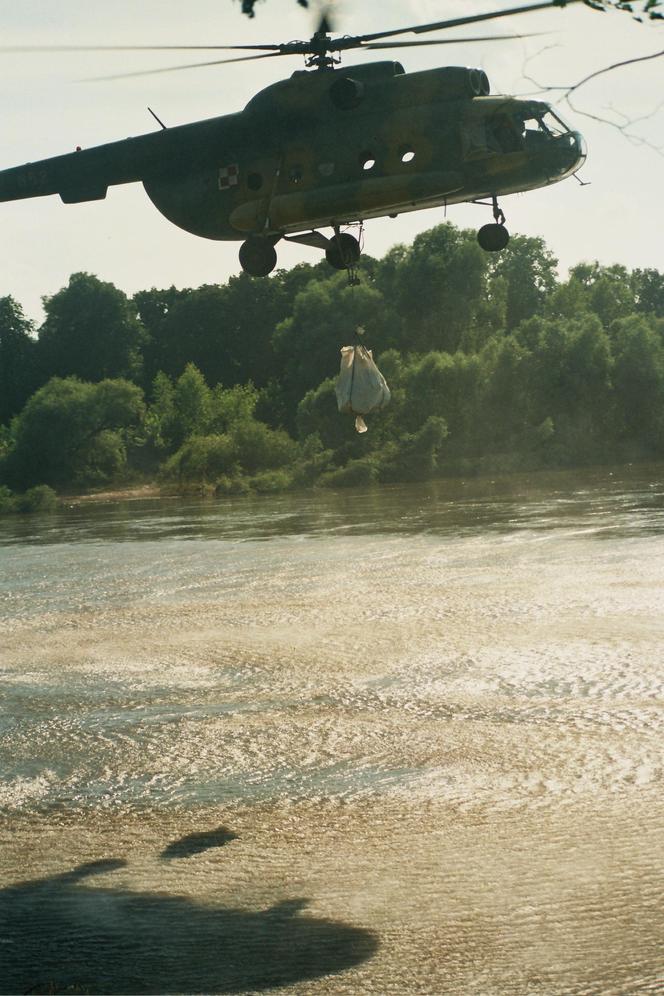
<point>504,133</point>
<point>511,130</point>
<point>547,125</point>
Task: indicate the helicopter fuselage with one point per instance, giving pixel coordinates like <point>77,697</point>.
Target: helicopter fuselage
<point>326,148</point>
<point>303,155</point>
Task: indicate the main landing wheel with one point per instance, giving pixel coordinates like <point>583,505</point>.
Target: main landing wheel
<point>493,238</point>
<point>343,251</point>
<point>258,257</point>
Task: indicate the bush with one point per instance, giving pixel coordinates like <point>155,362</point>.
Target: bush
<point>271,482</point>
<point>260,448</point>
<point>356,473</point>
<point>7,500</point>
<point>314,461</point>
<point>72,433</point>
<point>231,486</point>
<point>201,458</point>
<point>41,498</point>
<point>415,456</point>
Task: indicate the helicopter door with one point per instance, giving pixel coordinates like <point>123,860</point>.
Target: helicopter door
<point>476,143</point>
<point>258,183</point>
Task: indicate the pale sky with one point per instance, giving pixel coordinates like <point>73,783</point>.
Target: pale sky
<point>45,111</point>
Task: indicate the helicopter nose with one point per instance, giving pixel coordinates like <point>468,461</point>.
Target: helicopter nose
<point>575,151</point>
<point>568,154</point>
<point>578,144</point>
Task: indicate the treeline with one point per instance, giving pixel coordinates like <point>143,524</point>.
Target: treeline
<point>493,361</point>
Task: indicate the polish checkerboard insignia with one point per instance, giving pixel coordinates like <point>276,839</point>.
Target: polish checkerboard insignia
<point>229,176</point>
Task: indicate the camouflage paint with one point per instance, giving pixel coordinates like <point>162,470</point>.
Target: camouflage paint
<point>294,158</point>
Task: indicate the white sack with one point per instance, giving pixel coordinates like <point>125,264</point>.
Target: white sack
<point>360,387</point>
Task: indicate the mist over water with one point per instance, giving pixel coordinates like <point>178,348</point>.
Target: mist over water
<point>403,740</point>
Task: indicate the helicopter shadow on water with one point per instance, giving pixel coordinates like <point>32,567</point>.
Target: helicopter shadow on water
<point>58,935</point>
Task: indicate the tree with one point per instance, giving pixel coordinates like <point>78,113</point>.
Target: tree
<point>192,405</point>
<point>90,332</point>
<point>648,288</point>
<point>436,288</point>
<point>153,308</point>
<point>529,271</point>
<point>639,382</point>
<point>226,331</point>
<point>160,418</point>
<point>325,317</point>
<point>72,432</point>
<point>446,385</point>
<point>18,374</point>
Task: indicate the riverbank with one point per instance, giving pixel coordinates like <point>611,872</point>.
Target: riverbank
<point>132,493</point>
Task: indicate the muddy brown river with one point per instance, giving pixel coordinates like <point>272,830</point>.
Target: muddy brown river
<point>399,741</point>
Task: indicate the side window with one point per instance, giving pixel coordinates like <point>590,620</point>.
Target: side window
<point>504,134</point>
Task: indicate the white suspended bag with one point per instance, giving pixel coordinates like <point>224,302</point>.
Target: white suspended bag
<point>361,387</point>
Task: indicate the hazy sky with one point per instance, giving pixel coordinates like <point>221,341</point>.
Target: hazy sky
<point>45,111</point>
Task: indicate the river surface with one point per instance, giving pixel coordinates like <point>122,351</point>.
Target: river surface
<point>399,741</point>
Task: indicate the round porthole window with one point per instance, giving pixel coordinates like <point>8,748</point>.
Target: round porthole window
<point>407,155</point>
<point>367,161</point>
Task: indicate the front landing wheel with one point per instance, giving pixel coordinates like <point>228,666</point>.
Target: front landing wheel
<point>258,257</point>
<point>493,238</point>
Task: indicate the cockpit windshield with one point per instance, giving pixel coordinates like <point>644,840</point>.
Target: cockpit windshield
<point>545,122</point>
<point>511,128</point>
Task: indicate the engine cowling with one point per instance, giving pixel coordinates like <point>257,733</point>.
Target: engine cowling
<point>346,93</point>
<point>460,81</point>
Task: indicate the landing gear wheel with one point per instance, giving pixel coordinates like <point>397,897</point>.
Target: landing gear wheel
<point>493,238</point>
<point>258,257</point>
<point>343,251</point>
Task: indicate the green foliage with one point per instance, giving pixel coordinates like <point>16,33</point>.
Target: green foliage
<point>202,458</point>
<point>260,448</point>
<point>493,363</point>
<point>639,382</point>
<point>160,418</point>
<point>529,271</point>
<point>233,405</point>
<point>648,288</point>
<point>271,482</point>
<point>7,500</point>
<point>356,474</point>
<point>415,456</point>
<point>71,432</point>
<point>38,500</point>
<point>192,405</point>
<point>90,332</point>
<point>18,359</point>
<point>314,461</point>
<point>228,485</point>
<point>325,317</point>
<point>436,288</point>
<point>248,449</point>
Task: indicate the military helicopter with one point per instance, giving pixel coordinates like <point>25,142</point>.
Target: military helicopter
<point>329,148</point>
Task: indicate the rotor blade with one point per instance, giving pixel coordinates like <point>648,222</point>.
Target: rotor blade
<point>136,48</point>
<point>326,18</point>
<point>174,69</point>
<point>456,22</point>
<point>447,41</point>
